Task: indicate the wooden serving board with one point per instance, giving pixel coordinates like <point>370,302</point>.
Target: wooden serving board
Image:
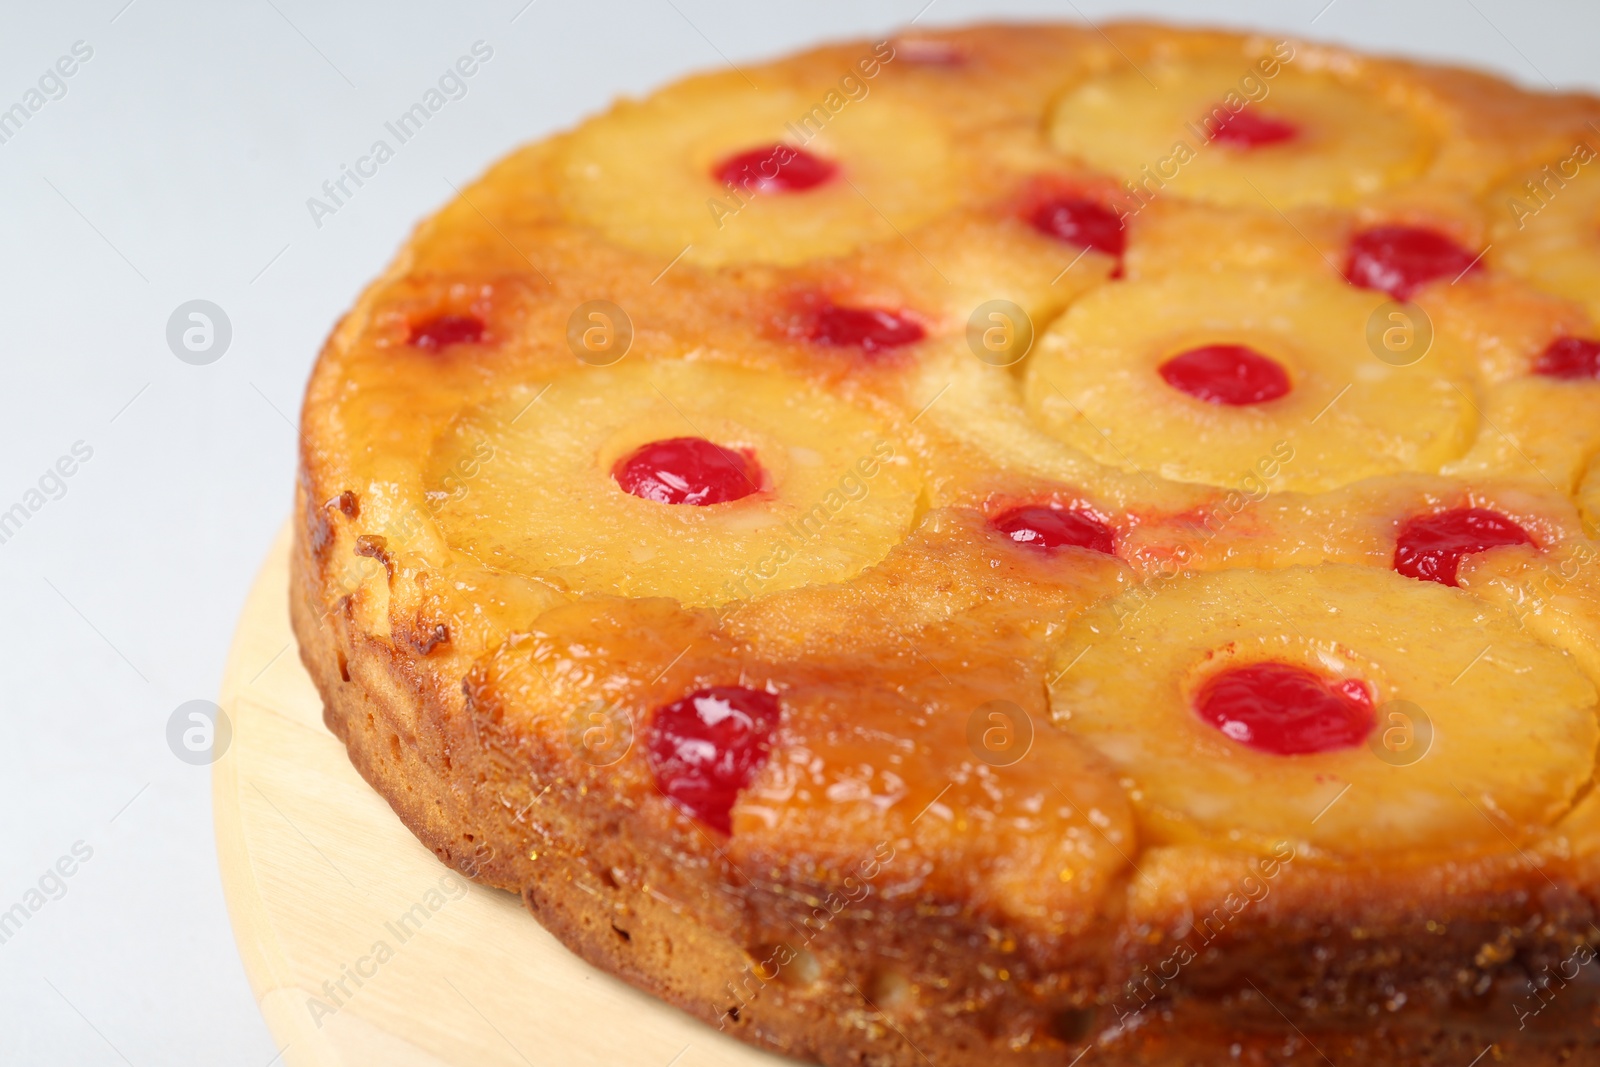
<point>362,947</point>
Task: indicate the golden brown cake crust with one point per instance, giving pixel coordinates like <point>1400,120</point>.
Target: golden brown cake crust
<point>890,895</point>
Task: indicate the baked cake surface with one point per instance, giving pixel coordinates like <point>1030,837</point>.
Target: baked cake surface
<point>1016,545</point>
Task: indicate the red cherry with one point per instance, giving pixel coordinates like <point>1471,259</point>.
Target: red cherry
<point>1082,223</point>
<point>1251,129</point>
<point>442,331</point>
<point>1046,528</point>
<point>1430,547</point>
<point>687,470</point>
<point>706,748</point>
<point>1226,374</point>
<point>869,329</point>
<point>929,52</point>
<point>777,168</point>
<point>1570,357</point>
<point>1399,260</point>
<point>1285,710</point>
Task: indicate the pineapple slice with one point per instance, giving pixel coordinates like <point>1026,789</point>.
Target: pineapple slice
<point>973,421</point>
<point>1540,431</point>
<point>1177,237</point>
<point>1255,526</point>
<point>964,264</point>
<point>646,174</point>
<point>1503,324</point>
<point>1553,591</point>
<point>1547,228</point>
<point>1096,383</point>
<point>1315,137</point>
<point>529,483</point>
<point>1512,720</point>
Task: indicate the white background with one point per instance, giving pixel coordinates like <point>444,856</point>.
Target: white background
<point>177,166</point>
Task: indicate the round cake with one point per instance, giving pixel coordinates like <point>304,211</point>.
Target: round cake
<point>1020,545</point>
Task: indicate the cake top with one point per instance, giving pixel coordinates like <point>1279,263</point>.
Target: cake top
<point>1048,451</point>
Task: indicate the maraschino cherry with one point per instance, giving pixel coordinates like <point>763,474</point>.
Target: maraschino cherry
<point>707,747</point>
<point>442,331</point>
<point>1399,260</point>
<point>1284,709</point>
<point>1571,358</point>
<point>687,470</point>
<point>1251,129</point>
<point>1430,547</point>
<point>929,52</point>
<point>870,329</point>
<point>1234,375</point>
<point>776,168</point>
<point>1046,528</point>
<point>1081,223</point>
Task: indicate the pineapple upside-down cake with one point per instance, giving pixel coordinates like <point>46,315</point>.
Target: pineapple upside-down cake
<point>1003,546</point>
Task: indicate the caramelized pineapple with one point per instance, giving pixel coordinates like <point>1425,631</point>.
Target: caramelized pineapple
<point>1547,226</point>
<point>1176,236</point>
<point>975,417</point>
<point>1198,129</point>
<point>597,483</point>
<point>725,173</point>
<point>1511,719</point>
<point>1539,431</point>
<point>1198,379</point>
<point>1552,591</point>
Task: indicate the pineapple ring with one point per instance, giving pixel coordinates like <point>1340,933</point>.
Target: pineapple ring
<point>1093,383</point>
<point>1348,142</point>
<point>1545,433</point>
<point>837,493</point>
<point>977,420</point>
<point>642,174</point>
<point>1516,739</point>
<point>1549,234</point>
